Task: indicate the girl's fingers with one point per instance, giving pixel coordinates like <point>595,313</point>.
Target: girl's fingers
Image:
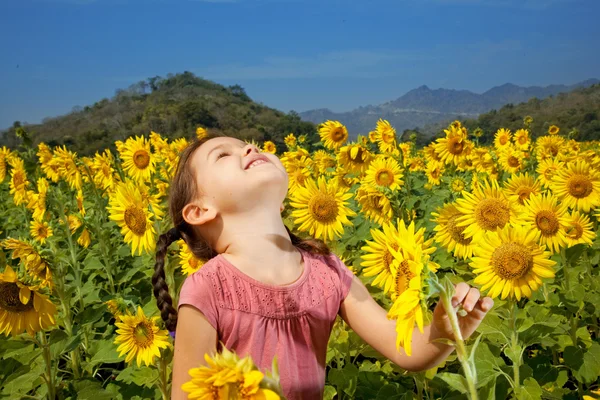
<point>471,299</point>
<point>482,307</point>
<point>460,291</point>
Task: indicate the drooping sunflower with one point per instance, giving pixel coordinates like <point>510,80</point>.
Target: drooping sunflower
<point>548,147</point>
<point>386,137</point>
<point>321,209</point>
<point>378,258</point>
<point>138,160</point>
<point>449,234</point>
<point>84,239</point>
<point>502,138</point>
<point>188,262</point>
<point>510,262</point>
<point>520,187</point>
<point>40,231</point>
<point>553,130</point>
<point>22,307</point>
<point>333,134</point>
<point>355,157</point>
<point>434,173</point>
<point>521,139</point>
<point>226,376</point>
<point>511,159</point>
<point>140,338</point>
<point>324,160</point>
<point>36,266</point>
<point>577,186</point>
<point>67,167</point>
<point>18,181</point>
<point>454,147</point>
<point>547,169</point>
<point>374,204</point>
<point>269,147</point>
<point>578,229</point>
<point>129,210</point>
<point>485,209</point>
<point>297,176</point>
<point>384,172</point>
<point>431,154</point>
<point>416,164</point>
<point>543,213</point>
<point>104,176</point>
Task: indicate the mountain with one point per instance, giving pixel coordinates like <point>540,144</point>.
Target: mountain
<point>422,107</point>
<point>173,106</point>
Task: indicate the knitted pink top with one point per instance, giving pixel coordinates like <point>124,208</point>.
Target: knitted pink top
<point>292,322</point>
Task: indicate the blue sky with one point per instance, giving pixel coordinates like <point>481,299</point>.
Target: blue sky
<point>288,54</point>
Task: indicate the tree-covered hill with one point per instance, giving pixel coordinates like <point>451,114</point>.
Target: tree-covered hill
<point>173,106</point>
<point>578,110</point>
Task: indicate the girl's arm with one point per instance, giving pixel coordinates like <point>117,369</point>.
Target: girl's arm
<point>369,320</point>
<point>194,337</point>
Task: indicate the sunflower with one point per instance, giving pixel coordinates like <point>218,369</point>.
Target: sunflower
<point>453,147</point>
<point>431,154</point>
<point>333,134</point>
<point>528,120</point>
<point>84,239</point>
<point>578,229</point>
<point>384,172</point>
<point>129,210</point>
<point>511,159</point>
<point>36,266</point>
<point>543,213</point>
<point>547,169</point>
<point>290,141</point>
<point>416,164</point>
<point>4,153</point>
<point>386,137</point>
<point>22,307</point>
<point>510,262</point>
<point>18,181</point>
<point>49,164</point>
<point>37,201</point>
<point>201,133</point>
<point>138,160</point>
<point>104,176</point>
<point>374,204</point>
<point>67,167</point>
<point>188,262</point>
<point>457,184</point>
<point>520,187</point>
<point>301,139</point>
<point>79,199</point>
<point>521,139</point>
<point>486,209</point>
<point>324,160</point>
<point>553,130</point>
<point>481,159</point>
<point>502,138</point>
<point>408,307</point>
<point>298,174</point>
<point>321,209</point>
<point>303,157</point>
<point>478,132</point>
<point>449,234</point>
<point>344,179</point>
<point>116,307</point>
<point>139,337</point>
<point>355,157</point>
<point>577,186</point>
<point>378,258</point>
<point>40,231</point>
<point>406,149</point>
<point>548,147</point>
<point>226,376</point>
<point>434,173</point>
<point>269,147</point>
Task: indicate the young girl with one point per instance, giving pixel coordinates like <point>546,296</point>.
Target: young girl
<point>264,291</point>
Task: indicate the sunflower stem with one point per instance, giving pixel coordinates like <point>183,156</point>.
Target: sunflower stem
<point>163,379</point>
<point>461,350</point>
<point>515,345</point>
<point>48,361</point>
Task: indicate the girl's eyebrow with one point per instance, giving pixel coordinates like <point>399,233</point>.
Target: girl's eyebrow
<point>242,144</point>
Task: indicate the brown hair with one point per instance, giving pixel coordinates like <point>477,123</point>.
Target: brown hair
<point>181,192</point>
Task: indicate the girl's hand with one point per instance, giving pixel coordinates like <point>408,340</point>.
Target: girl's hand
<point>475,306</point>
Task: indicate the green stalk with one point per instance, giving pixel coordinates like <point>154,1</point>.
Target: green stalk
<point>163,379</point>
<point>515,345</point>
<point>461,349</point>
<point>49,377</point>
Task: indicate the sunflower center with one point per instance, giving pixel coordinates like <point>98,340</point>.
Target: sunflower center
<point>358,158</point>
<point>300,178</point>
<point>18,178</point>
<point>135,218</point>
<point>387,136</point>
<point>455,145</point>
<point>435,173</point>
<point>323,208</point>
<point>9,298</point>
<point>524,192</point>
<point>511,260</point>
<point>458,185</point>
<point>492,213</point>
<point>384,177</point>
<point>503,140</point>
<point>522,139</point>
<point>547,222</point>
<point>338,135</point>
<point>513,161</point>
<point>42,231</point>
<point>193,263</point>
<point>553,150</point>
<point>403,277</point>
<point>575,231</point>
<point>143,335</point>
<point>457,231</point>
<point>579,186</point>
<point>141,159</point>
<point>388,258</point>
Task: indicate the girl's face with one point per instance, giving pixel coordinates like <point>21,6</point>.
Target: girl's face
<point>234,176</point>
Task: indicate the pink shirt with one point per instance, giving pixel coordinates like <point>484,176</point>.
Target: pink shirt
<point>292,322</point>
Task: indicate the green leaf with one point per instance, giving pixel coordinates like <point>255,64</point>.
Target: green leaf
<point>573,253</point>
<point>590,370</point>
<point>24,379</point>
<point>329,392</point>
<point>90,389</point>
<point>91,314</point>
<point>143,376</point>
<point>104,352</point>
<point>455,381</point>
<point>530,390</point>
<point>488,391</point>
<point>494,329</point>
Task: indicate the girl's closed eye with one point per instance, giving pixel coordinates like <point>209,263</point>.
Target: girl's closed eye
<point>224,154</point>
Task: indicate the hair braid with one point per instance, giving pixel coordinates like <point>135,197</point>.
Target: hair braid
<point>159,283</point>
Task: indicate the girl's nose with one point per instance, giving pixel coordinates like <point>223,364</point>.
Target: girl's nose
<point>249,148</point>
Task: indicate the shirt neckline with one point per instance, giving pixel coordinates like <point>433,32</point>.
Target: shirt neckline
<point>303,276</point>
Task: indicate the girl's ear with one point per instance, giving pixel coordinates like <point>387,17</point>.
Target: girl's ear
<point>198,214</point>
<point>281,208</point>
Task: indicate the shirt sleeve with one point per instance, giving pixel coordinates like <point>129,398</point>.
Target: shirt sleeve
<point>198,291</point>
<point>346,276</point>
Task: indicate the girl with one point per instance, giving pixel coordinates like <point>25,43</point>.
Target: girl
<point>265,292</point>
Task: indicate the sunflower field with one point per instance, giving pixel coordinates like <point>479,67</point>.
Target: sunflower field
<point>517,220</point>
